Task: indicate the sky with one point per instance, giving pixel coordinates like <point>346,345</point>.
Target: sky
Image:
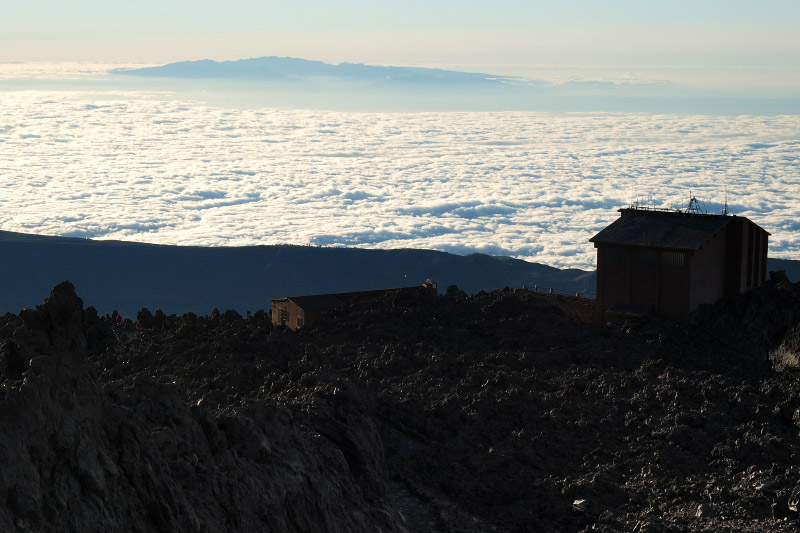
<point>506,36</point>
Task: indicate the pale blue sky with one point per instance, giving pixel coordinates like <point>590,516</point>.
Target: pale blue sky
<point>640,32</point>
<point>503,37</point>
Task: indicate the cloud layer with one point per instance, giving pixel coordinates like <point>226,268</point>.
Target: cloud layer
<point>134,166</point>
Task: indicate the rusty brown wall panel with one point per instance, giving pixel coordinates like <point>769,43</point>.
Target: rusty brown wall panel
<point>292,322</point>
<point>277,307</point>
<point>750,256</point>
<point>600,286</point>
<point>643,287</point>
<point>744,260</point>
<point>758,239</point>
<point>673,295</point>
<point>616,286</point>
<point>764,251</point>
<point>733,258</point>
<point>707,284</point>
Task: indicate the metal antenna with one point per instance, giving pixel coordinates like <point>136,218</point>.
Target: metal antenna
<point>696,206</point>
<point>725,207</point>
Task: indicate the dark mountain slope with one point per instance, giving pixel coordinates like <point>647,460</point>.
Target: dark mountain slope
<point>128,276</point>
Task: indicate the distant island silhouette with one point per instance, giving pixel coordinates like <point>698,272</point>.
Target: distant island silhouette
<point>294,69</point>
<point>307,84</point>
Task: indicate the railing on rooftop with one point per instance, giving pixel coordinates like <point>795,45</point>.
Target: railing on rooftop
<point>562,292</point>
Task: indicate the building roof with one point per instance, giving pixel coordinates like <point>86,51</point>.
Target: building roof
<point>314,302</point>
<point>663,229</point>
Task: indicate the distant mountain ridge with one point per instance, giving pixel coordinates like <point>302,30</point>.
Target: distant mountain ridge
<point>128,276</point>
<point>288,68</point>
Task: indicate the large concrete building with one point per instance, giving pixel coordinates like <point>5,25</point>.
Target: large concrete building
<point>666,263</point>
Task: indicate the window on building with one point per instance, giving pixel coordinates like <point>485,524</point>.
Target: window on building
<point>284,316</point>
<point>673,260</point>
<point>299,322</point>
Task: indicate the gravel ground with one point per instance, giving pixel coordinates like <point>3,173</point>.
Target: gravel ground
<point>499,411</point>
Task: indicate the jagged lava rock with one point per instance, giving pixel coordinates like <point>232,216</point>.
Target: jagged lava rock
<point>487,412</point>
<point>82,454</point>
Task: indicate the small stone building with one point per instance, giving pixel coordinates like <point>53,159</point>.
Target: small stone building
<point>666,263</point>
<point>297,311</point>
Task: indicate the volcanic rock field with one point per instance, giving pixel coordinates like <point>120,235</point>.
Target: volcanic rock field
<point>499,411</point>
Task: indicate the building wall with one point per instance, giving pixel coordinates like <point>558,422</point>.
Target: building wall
<point>674,268</point>
<point>671,283</point>
<point>734,260</point>
<point>288,314</point>
<point>708,272</point>
<point>746,281</point>
<point>425,288</point>
<point>612,277</point>
<point>746,256</point>
<point>763,253</point>
<point>643,281</point>
<point>760,238</point>
<point>649,280</point>
<point>285,312</point>
<point>308,317</point>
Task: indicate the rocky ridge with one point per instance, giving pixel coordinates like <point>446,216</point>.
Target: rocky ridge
<point>91,448</point>
<point>498,411</point>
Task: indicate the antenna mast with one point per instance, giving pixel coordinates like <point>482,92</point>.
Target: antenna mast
<point>695,206</point>
<point>725,207</point>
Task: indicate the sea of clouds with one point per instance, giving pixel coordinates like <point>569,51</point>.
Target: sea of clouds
<point>144,167</point>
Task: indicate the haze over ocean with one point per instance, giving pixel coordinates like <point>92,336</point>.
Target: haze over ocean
<point>154,167</point>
